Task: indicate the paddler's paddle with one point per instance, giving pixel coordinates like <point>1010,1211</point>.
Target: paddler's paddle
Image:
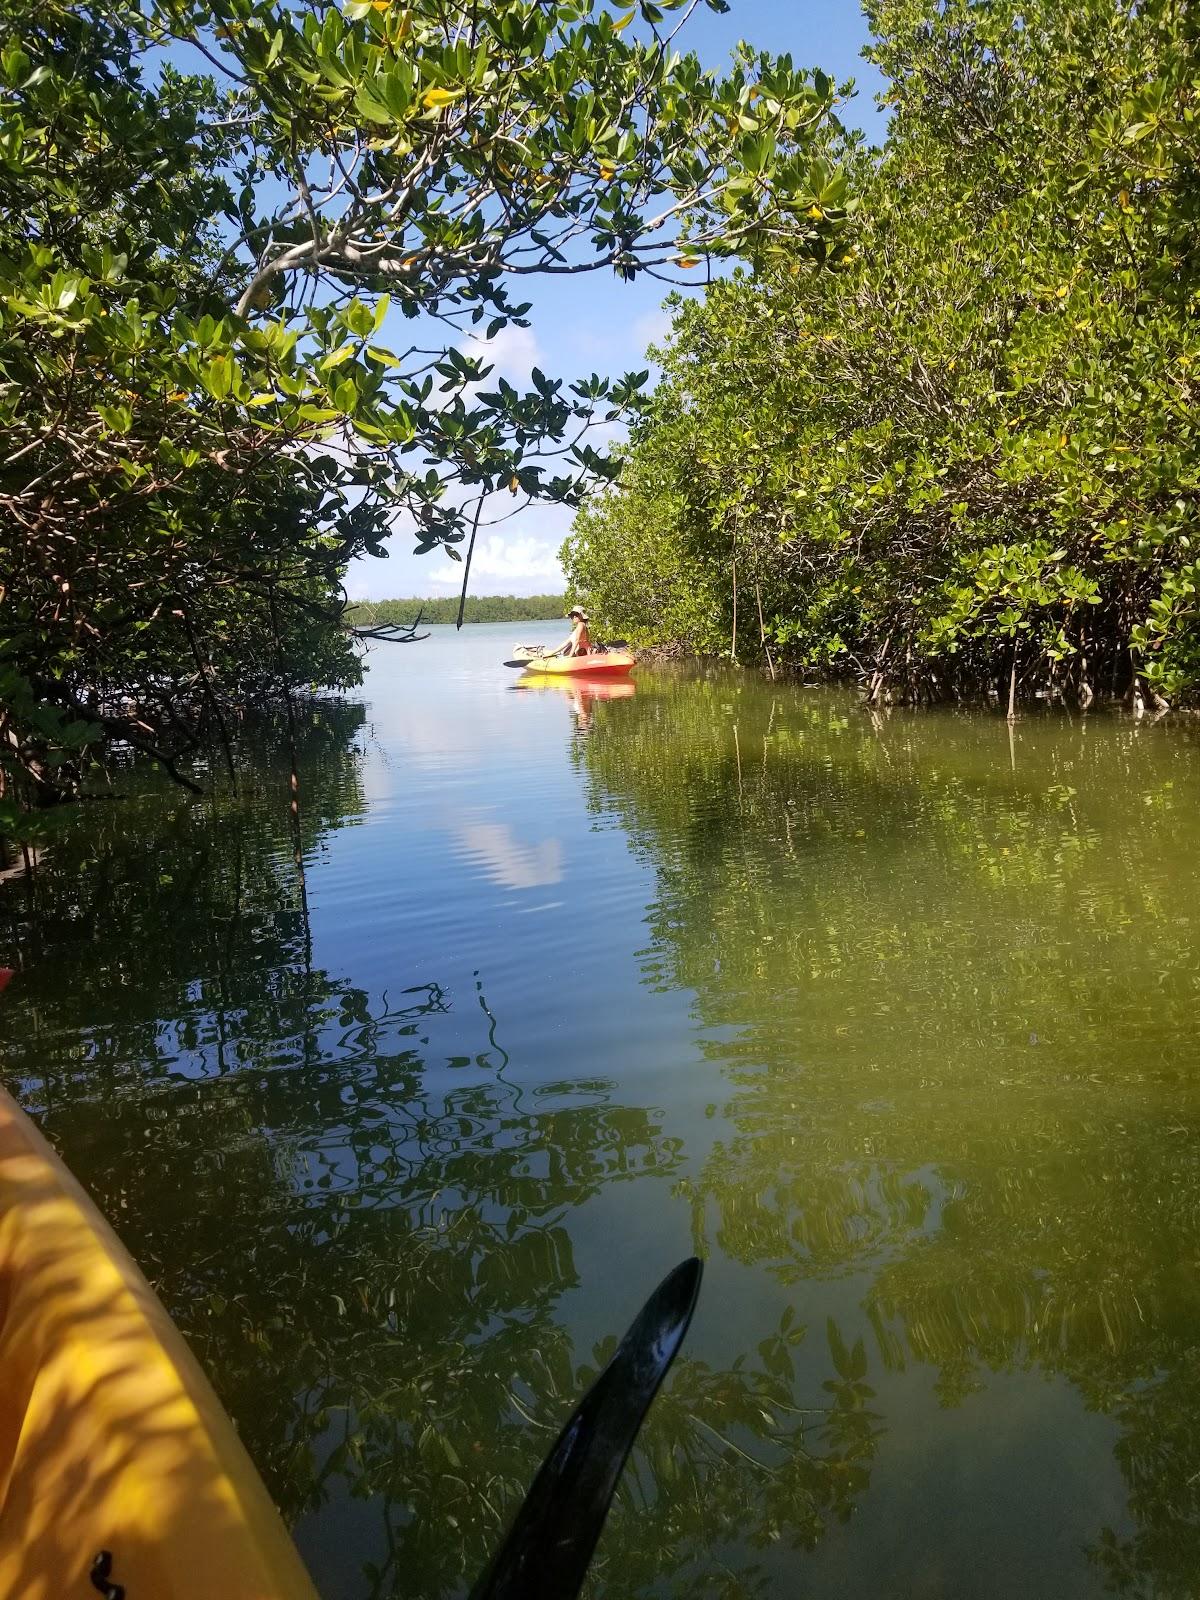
<point>549,1545</point>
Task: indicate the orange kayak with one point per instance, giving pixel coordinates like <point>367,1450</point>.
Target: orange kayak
<point>578,686</point>
<point>119,1471</point>
<point>604,664</point>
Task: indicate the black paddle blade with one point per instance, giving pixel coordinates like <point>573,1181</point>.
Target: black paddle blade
<point>546,1553</point>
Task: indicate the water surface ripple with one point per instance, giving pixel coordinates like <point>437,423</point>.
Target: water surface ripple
<point>893,1020</point>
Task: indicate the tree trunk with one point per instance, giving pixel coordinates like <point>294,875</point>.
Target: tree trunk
<point>762,632</point>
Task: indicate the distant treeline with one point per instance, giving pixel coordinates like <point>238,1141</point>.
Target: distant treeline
<point>480,608</point>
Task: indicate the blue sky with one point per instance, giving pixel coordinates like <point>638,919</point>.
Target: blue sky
<point>596,323</point>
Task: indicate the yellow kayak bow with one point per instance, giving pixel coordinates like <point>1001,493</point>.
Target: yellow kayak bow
<point>120,1474</point>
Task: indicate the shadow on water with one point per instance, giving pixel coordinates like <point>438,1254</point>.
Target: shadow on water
<point>948,1002</point>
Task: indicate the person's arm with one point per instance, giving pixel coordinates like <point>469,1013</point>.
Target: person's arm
<point>562,648</point>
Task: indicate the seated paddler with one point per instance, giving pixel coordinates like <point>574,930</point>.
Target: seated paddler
<point>580,642</point>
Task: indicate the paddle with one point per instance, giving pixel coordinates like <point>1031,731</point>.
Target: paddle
<point>546,1553</point>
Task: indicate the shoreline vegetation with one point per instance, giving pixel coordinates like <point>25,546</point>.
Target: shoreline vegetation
<point>937,435</point>
<point>962,463</point>
<point>255,265</point>
<point>444,608</point>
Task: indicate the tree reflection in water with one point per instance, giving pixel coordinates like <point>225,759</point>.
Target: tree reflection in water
<point>366,1239</point>
<point>949,1001</point>
<point>956,1003</point>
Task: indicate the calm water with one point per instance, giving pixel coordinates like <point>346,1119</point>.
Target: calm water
<point>895,1023</point>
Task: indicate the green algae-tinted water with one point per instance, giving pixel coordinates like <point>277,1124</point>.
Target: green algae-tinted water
<point>895,1022</point>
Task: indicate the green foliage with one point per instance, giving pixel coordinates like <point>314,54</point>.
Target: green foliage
<point>210,392</point>
<point>972,449</point>
<point>479,608</point>
<point>164,557</point>
<point>630,547</point>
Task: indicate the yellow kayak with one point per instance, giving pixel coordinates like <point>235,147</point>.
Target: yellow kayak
<point>601,664</point>
<point>120,1474</point>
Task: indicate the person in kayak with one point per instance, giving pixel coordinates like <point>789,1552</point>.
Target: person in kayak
<point>580,642</point>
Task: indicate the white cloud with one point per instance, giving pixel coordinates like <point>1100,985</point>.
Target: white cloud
<point>509,861</point>
<point>652,328</point>
<point>507,561</point>
<point>513,354</point>
<point>604,435</point>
